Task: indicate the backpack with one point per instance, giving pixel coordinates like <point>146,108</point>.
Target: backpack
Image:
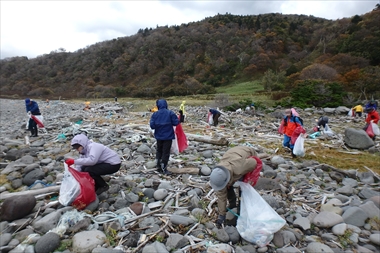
<point>294,119</point>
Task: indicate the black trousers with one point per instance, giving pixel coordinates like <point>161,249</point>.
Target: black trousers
<point>163,151</point>
<point>215,118</point>
<point>32,125</point>
<point>99,169</point>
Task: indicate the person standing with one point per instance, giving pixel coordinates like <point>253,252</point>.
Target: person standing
<point>358,110</point>
<point>96,159</point>
<point>215,116</point>
<point>163,121</point>
<point>32,109</point>
<point>233,166</point>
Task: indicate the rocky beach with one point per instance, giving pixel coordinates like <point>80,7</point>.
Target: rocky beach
<point>325,208</point>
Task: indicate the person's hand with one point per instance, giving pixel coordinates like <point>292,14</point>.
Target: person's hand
<point>219,222</point>
<point>29,112</point>
<point>69,161</point>
<point>371,121</point>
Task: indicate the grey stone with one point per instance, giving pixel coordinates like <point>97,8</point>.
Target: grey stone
<point>47,243</point>
<point>86,241</point>
<point>355,216</point>
<point>327,219</point>
<point>357,138</point>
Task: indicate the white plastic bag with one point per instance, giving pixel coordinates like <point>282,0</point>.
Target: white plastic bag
<point>328,131</point>
<point>375,129</point>
<point>210,119</point>
<point>70,188</point>
<point>257,221</point>
<point>299,149</point>
<point>174,148</point>
<point>351,113</point>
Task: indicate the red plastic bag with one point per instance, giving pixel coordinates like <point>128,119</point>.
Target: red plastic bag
<point>87,189</point>
<point>369,131</point>
<point>253,176</point>
<point>281,128</point>
<point>181,138</point>
<point>299,130</point>
<point>38,122</point>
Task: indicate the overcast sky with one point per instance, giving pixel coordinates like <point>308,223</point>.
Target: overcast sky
<point>33,28</point>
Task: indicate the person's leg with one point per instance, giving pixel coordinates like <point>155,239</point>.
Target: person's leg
<point>216,119</point>
<point>34,130</point>
<point>167,144</point>
<point>286,142</point>
<point>100,169</point>
<point>231,196</point>
<point>160,145</point>
<point>30,126</point>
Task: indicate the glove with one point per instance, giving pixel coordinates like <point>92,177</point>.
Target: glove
<point>371,121</point>
<point>219,222</point>
<point>29,112</point>
<point>69,161</point>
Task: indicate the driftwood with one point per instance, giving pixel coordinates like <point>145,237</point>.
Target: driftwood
<point>206,139</point>
<point>52,189</point>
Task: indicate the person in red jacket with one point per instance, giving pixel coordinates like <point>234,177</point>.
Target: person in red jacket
<point>372,116</point>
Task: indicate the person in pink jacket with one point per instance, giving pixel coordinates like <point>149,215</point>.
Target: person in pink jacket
<point>96,159</point>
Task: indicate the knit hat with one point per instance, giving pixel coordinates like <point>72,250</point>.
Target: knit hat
<point>219,178</point>
<point>27,101</point>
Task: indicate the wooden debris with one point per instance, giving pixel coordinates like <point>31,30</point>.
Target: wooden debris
<point>207,139</point>
<point>50,189</point>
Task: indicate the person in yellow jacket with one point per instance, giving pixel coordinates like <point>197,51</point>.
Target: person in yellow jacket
<point>234,165</point>
<point>358,110</point>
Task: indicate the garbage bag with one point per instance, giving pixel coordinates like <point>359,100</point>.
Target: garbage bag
<point>258,221</point>
<point>299,149</point>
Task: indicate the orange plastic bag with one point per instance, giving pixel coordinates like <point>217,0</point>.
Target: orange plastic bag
<point>87,189</point>
<point>253,176</point>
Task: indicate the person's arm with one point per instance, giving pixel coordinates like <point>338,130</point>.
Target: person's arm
<point>174,119</point>
<point>375,118</point>
<point>93,156</point>
<point>33,107</point>
<point>222,201</point>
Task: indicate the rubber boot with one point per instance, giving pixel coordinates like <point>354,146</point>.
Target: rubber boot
<point>31,132</point>
<point>35,133</point>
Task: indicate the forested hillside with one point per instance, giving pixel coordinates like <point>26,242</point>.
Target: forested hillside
<point>285,52</point>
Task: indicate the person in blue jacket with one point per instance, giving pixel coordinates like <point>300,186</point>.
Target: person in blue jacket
<point>215,116</point>
<point>162,121</point>
<point>32,109</point>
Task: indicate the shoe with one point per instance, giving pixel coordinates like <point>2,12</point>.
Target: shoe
<point>293,155</point>
<point>166,172</point>
<point>102,189</point>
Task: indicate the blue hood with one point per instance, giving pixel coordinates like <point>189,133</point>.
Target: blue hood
<point>161,104</point>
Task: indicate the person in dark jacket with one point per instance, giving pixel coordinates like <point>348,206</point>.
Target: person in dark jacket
<point>215,116</point>
<point>322,121</point>
<point>32,109</point>
<point>162,121</point>
<point>96,159</point>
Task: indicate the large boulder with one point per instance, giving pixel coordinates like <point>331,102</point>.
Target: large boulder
<point>357,138</point>
<point>17,207</point>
